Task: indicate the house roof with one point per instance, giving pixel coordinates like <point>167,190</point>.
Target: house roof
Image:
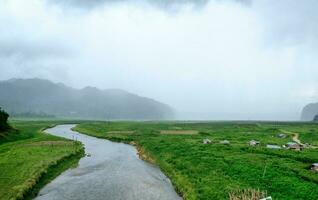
<point>271,146</point>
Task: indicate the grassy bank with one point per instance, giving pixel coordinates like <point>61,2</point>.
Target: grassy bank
<point>30,158</point>
<point>214,171</point>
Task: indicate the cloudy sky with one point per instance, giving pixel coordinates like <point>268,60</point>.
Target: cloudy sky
<point>209,59</point>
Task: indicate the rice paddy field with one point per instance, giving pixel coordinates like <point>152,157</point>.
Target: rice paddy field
<point>223,171</point>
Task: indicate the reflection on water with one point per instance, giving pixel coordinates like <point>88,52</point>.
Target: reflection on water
<point>113,171</point>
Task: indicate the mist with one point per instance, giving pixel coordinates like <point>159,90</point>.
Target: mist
<point>217,59</point>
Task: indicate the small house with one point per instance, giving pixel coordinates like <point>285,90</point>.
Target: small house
<point>206,141</point>
<point>272,146</point>
<point>294,146</point>
<point>225,142</point>
<point>254,143</point>
<point>281,135</point>
<point>314,167</point>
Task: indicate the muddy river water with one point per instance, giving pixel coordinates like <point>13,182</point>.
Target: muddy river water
<point>113,171</point>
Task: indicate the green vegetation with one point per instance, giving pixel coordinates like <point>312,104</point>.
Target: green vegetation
<point>216,171</point>
<point>30,158</point>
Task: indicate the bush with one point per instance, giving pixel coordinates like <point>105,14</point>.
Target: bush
<point>3,120</point>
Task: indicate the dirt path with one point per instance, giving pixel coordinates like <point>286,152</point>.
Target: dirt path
<point>296,138</point>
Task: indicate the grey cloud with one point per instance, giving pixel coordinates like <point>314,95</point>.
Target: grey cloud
<point>163,4</point>
<point>159,3</point>
<point>289,22</point>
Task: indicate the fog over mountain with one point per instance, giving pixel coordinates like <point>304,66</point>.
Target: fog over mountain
<point>316,118</point>
<point>42,96</point>
<point>310,112</point>
<point>208,59</point>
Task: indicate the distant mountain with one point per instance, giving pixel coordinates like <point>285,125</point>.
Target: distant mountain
<point>316,118</point>
<point>43,96</point>
<point>309,112</point>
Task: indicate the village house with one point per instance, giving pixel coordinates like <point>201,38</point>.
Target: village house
<point>254,143</point>
<point>281,135</point>
<point>272,146</point>
<point>224,142</point>
<point>206,141</point>
<point>314,167</point>
<point>294,146</point>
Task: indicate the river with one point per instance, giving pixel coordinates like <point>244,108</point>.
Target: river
<point>113,171</point>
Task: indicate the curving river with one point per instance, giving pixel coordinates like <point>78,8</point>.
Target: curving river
<point>112,172</point>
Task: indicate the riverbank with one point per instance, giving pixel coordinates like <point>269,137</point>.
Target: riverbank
<point>216,171</point>
<point>29,159</point>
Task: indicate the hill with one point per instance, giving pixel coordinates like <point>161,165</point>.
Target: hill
<point>309,112</point>
<point>43,96</point>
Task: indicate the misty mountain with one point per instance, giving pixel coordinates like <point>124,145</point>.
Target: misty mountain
<point>316,118</point>
<point>309,112</point>
<point>43,96</point>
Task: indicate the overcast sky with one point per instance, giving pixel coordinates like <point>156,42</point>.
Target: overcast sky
<point>217,59</point>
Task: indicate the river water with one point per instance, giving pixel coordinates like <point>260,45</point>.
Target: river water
<point>113,171</point>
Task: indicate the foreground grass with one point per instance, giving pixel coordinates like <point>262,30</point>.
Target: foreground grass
<point>215,171</point>
<point>29,159</point>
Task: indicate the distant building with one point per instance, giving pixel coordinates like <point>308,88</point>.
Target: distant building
<point>206,141</point>
<point>224,142</point>
<point>314,167</point>
<point>254,143</point>
<point>272,146</point>
<point>294,146</point>
<point>281,135</point>
<point>291,144</point>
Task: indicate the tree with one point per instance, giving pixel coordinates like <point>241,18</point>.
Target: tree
<point>3,120</point>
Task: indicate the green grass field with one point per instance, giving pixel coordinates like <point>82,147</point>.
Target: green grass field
<point>212,171</point>
<point>30,158</point>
